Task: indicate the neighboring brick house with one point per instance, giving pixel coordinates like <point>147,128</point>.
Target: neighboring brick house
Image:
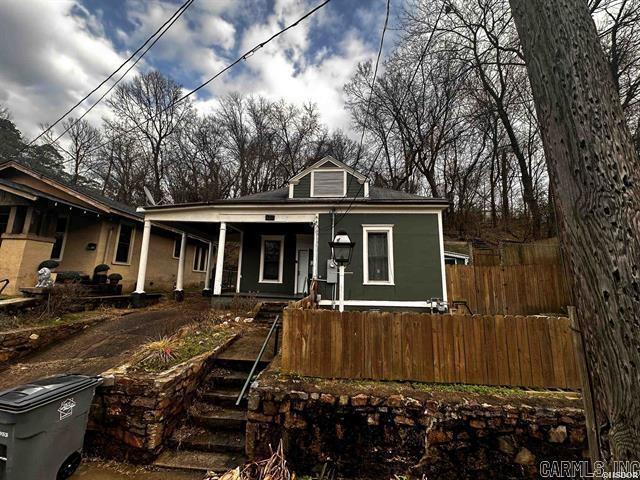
<point>43,216</point>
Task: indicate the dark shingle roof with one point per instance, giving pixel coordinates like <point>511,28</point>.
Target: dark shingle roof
<point>81,189</point>
<point>377,195</point>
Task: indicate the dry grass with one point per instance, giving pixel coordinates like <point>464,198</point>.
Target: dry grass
<point>273,468</point>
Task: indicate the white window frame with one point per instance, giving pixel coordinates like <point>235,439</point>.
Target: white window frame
<point>64,239</point>
<point>333,170</point>
<point>264,238</point>
<point>131,245</point>
<point>205,248</point>
<point>366,229</point>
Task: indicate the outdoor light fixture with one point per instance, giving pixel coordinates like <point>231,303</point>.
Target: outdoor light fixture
<point>341,250</point>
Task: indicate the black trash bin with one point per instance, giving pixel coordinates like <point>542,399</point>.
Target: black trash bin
<point>42,427</point>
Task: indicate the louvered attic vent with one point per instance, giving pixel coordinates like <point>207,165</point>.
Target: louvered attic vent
<point>328,183</point>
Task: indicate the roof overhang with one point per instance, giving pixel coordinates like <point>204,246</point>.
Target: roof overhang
<point>100,207</point>
<point>276,213</point>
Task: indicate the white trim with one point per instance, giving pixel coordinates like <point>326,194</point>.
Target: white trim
<point>283,213</point>
<point>64,238</point>
<point>332,170</point>
<point>442,269</point>
<point>222,238</point>
<point>460,256</point>
<point>131,244</point>
<point>366,189</point>
<point>144,256</point>
<point>316,242</point>
<point>296,178</point>
<point>366,229</point>
<point>381,303</point>
<point>263,238</point>
<point>291,190</point>
<point>206,259</point>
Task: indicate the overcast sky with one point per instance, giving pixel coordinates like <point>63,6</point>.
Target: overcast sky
<point>55,51</point>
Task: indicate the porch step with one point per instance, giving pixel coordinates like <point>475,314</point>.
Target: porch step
<point>199,461</point>
<point>225,378</point>
<point>222,396</point>
<point>202,440</point>
<point>218,417</point>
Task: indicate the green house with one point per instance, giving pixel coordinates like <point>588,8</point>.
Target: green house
<point>273,244</point>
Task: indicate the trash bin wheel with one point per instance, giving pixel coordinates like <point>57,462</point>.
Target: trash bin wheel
<point>69,466</point>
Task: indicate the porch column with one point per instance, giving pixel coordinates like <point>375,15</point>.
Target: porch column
<point>239,274</point>
<point>144,255</point>
<point>316,242</point>
<point>217,282</point>
<point>178,293</point>
<point>207,279</point>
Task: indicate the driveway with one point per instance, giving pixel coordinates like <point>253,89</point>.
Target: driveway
<point>105,345</point>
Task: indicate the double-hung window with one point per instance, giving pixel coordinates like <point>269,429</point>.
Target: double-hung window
<point>124,245</point>
<point>377,258</point>
<point>200,257</point>
<point>60,235</point>
<point>271,259</point>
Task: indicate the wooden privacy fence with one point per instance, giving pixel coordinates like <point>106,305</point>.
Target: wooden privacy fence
<point>478,349</point>
<point>510,290</point>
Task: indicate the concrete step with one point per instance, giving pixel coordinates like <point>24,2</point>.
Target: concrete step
<point>199,461</point>
<point>218,417</point>
<point>200,439</point>
<point>229,362</point>
<point>222,397</point>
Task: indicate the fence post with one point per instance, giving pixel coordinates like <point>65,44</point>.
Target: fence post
<point>587,392</point>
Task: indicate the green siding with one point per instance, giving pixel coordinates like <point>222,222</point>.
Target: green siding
<point>416,253</point>
<point>303,188</point>
<point>251,245</point>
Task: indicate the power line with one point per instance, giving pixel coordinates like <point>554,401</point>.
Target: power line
<point>423,54</point>
<point>186,5</point>
<point>178,12</point>
<point>246,55</point>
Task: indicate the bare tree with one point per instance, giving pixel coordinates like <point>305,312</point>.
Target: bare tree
<point>147,107</point>
<point>84,140</point>
<point>593,168</point>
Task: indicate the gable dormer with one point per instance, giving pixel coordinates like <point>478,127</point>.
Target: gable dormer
<point>328,178</point>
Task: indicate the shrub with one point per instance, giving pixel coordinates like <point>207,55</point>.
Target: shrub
<point>50,264</point>
<point>103,267</point>
<point>115,277</point>
<point>69,277</point>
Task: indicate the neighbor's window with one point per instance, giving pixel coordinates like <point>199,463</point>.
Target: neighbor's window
<point>328,183</point>
<point>378,254</point>
<point>60,236</point>
<point>271,259</point>
<point>200,258</point>
<point>125,242</point>
<point>176,247</point>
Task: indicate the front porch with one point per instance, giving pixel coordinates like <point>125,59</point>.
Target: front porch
<point>259,256</point>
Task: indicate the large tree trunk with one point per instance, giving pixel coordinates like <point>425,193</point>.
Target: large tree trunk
<point>593,168</point>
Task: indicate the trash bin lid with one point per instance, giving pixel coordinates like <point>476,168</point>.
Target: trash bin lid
<point>43,391</point>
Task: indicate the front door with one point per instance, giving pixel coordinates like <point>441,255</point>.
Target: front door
<point>304,256</point>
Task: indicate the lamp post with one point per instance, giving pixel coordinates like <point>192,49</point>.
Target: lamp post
<point>341,250</point>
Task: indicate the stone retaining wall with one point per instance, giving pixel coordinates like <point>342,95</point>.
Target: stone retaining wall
<point>133,413</point>
<point>379,436</point>
<point>21,342</point>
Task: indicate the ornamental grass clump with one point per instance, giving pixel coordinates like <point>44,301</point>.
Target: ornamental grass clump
<point>160,352</point>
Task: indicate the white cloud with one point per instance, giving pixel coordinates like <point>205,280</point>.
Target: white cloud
<point>50,58</point>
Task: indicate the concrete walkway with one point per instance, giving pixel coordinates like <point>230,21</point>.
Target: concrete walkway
<point>103,346</point>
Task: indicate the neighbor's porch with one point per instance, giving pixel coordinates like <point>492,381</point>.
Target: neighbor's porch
<point>258,255</point>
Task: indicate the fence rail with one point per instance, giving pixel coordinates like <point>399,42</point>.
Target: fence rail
<point>509,290</point>
<point>527,351</point>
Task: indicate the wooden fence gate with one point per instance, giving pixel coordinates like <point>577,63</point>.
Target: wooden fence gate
<point>527,351</point>
<point>509,290</point>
